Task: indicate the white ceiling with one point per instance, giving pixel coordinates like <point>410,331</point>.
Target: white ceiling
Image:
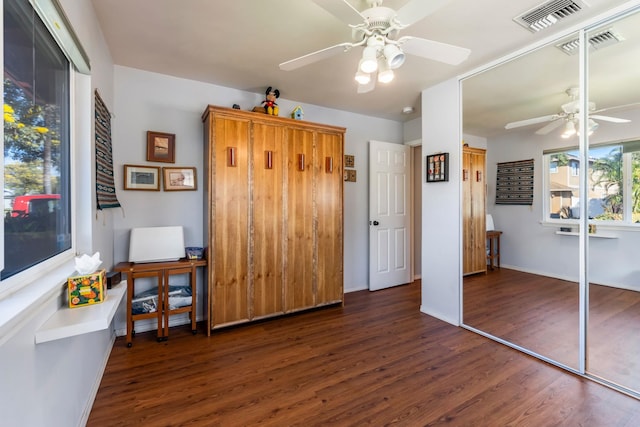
<point>240,43</point>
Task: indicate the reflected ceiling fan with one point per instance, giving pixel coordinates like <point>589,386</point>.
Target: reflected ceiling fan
<point>377,31</point>
<point>569,116</point>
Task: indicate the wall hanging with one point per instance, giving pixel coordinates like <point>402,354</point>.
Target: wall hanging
<point>161,147</point>
<point>514,184</point>
<point>105,186</point>
<point>438,167</point>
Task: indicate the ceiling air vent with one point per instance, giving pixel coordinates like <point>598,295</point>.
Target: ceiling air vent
<point>597,41</point>
<point>549,13</point>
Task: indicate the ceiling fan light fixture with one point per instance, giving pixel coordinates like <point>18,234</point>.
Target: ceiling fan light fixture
<point>363,78</point>
<point>569,130</point>
<point>385,74</point>
<point>369,61</point>
<point>394,56</point>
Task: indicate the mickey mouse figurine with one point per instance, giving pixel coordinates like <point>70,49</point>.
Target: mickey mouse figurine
<point>270,106</point>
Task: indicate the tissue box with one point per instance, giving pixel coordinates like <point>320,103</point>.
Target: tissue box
<point>87,289</point>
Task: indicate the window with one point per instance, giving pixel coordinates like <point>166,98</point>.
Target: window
<point>613,179</point>
<point>37,223</point>
<point>575,167</point>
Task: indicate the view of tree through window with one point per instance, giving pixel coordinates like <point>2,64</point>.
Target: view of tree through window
<point>36,141</point>
<point>611,196</point>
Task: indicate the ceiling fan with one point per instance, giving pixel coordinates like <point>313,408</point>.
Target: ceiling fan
<point>378,32</point>
<point>568,116</point>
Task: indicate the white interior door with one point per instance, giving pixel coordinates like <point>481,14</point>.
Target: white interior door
<point>389,215</point>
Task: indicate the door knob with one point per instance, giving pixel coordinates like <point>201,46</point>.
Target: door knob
<point>376,223</point>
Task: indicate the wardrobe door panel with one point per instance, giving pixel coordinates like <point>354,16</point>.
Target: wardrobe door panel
<point>479,211</point>
<point>473,211</point>
<point>230,222</point>
<point>267,209</point>
<point>329,190</point>
<point>299,275</point>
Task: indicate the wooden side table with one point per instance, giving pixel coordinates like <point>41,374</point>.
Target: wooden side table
<point>493,236</point>
<point>161,272</point>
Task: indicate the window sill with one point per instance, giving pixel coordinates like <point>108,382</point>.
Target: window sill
<point>575,223</point>
<point>20,306</point>
<point>596,235</point>
<point>69,322</point>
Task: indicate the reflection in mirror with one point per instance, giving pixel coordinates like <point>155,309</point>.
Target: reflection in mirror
<point>518,111</point>
<point>613,329</point>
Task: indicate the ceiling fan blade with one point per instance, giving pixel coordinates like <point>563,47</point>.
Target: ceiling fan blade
<point>417,10</point>
<point>532,121</point>
<point>367,87</point>
<point>316,56</point>
<point>608,119</point>
<point>551,126</point>
<point>342,10</point>
<point>617,107</point>
<point>430,49</point>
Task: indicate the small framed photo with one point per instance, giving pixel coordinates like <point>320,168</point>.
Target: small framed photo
<point>145,178</point>
<point>161,147</point>
<point>179,179</point>
<point>437,167</point>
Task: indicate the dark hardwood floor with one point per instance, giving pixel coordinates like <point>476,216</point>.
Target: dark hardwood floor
<point>541,314</point>
<point>376,361</point>
<point>536,312</point>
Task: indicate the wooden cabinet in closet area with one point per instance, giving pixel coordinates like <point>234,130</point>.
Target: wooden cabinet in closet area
<point>273,215</point>
<point>474,257</point>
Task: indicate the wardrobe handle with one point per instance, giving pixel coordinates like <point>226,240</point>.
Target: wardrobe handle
<point>329,164</point>
<point>231,156</point>
<point>300,162</point>
<point>268,159</point>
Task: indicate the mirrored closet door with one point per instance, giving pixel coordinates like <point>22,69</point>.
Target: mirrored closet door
<point>515,112</point>
<point>567,286</point>
<point>613,327</point>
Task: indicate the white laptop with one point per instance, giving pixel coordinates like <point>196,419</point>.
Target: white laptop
<point>156,244</point>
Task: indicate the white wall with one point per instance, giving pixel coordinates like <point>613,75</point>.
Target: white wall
<point>54,383</point>
<point>413,129</point>
<point>151,101</point>
<point>441,205</point>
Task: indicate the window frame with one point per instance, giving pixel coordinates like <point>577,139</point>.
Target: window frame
<point>44,278</point>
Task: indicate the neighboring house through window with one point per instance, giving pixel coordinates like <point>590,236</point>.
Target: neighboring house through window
<point>613,180</point>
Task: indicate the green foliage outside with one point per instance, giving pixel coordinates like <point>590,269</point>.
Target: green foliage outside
<point>607,173</point>
<point>31,143</point>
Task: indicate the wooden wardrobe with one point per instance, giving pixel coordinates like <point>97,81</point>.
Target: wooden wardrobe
<point>273,215</point>
<point>474,234</point>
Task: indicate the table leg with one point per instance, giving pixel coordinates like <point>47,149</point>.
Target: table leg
<point>130,287</point>
<point>193,311</point>
<point>491,253</point>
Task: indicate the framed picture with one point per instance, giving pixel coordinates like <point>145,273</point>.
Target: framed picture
<point>438,167</point>
<point>161,147</point>
<point>141,178</point>
<point>179,179</point>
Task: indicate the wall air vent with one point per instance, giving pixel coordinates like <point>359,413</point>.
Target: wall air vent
<point>549,13</point>
<point>597,41</point>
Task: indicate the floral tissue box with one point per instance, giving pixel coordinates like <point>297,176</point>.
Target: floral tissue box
<point>87,289</point>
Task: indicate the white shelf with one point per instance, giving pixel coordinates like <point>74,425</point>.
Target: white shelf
<point>598,235</point>
<point>69,322</point>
